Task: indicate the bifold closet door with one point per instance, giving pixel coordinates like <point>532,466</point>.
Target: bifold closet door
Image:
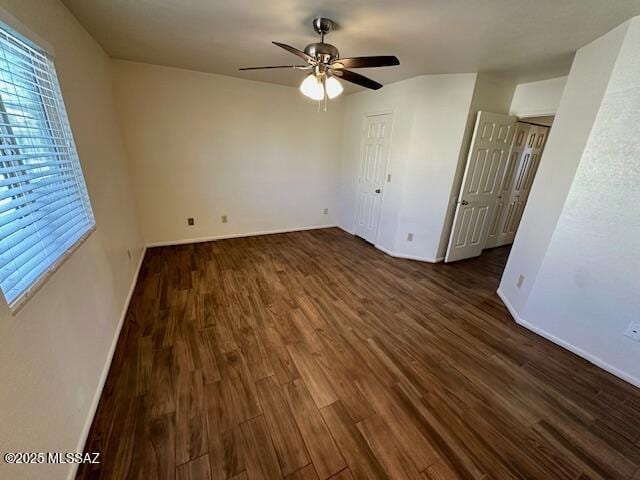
<point>495,237</point>
<point>525,159</point>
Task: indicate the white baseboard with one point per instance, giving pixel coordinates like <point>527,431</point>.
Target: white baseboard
<point>409,257</point>
<point>185,241</point>
<point>597,361</point>
<point>350,232</point>
<point>107,366</point>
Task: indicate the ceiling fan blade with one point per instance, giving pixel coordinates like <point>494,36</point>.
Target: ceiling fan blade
<point>358,79</point>
<point>297,67</point>
<point>295,51</point>
<point>368,62</point>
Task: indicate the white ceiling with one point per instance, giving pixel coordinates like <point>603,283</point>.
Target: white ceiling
<point>526,39</point>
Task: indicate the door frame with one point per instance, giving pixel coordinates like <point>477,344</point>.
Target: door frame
<point>365,116</point>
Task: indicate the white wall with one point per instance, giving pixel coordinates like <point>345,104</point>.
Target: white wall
<point>54,351</point>
<point>537,98</point>
<point>577,111</point>
<point>204,145</point>
<point>429,119</point>
<point>581,256</point>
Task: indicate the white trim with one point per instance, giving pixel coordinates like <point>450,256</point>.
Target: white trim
<point>598,362</point>
<point>105,370</point>
<point>408,257</point>
<point>185,241</point>
<point>345,229</point>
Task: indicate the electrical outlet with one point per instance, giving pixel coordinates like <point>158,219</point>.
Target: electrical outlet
<point>190,222</point>
<point>633,331</point>
<point>520,281</point>
<point>326,211</point>
<point>388,178</point>
<point>129,254</point>
<point>224,219</point>
<point>409,237</point>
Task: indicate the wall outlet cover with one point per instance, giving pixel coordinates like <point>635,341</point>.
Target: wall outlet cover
<point>190,222</point>
<point>326,211</point>
<point>633,331</point>
<point>520,281</point>
<point>224,219</point>
<point>409,237</point>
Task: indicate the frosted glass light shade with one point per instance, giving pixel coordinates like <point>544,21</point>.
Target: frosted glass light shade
<point>312,87</point>
<point>333,86</point>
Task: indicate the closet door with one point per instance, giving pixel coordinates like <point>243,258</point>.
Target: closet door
<point>496,227</point>
<point>515,198</point>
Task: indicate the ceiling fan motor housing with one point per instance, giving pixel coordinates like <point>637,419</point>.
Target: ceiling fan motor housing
<point>323,52</point>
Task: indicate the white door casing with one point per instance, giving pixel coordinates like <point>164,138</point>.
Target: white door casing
<point>519,184</point>
<point>373,166</point>
<point>486,163</point>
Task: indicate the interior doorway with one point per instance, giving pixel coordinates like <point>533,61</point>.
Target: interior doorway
<point>502,163</point>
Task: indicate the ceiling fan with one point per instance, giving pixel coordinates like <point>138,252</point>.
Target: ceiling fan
<point>323,59</point>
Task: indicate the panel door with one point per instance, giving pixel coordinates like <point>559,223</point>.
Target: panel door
<point>495,236</point>
<point>516,197</point>
<point>375,150</point>
<point>486,164</point>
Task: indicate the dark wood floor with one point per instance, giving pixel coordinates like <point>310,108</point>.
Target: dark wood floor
<point>313,355</point>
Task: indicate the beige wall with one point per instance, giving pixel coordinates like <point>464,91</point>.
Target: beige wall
<point>204,145</point>
<point>537,98</point>
<point>54,351</point>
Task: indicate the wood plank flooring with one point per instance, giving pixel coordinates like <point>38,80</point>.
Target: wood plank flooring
<point>312,355</point>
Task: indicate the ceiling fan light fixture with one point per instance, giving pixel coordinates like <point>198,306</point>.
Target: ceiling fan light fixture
<point>312,87</point>
<point>324,60</point>
<point>333,87</point>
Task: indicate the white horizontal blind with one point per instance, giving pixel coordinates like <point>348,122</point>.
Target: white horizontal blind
<point>44,205</point>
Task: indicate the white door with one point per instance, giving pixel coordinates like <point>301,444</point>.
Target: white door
<point>486,163</point>
<point>373,165</point>
<point>519,185</point>
<point>499,222</point>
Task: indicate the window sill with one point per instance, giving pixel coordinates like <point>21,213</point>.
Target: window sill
<point>28,294</point>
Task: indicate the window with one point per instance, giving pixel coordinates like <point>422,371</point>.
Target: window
<point>44,205</point>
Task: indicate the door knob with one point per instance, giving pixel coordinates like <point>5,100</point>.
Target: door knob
<point>463,202</point>
<point>377,190</point>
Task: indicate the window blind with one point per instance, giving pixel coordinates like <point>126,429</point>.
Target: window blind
<point>44,205</point>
